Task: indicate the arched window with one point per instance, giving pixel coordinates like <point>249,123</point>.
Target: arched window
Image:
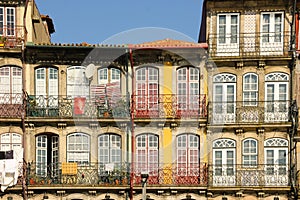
<point>224,162</point>
<point>77,82</point>
<point>250,89</point>
<point>188,158</point>
<point>276,96</point>
<point>249,152</point>
<point>147,90</point>
<point>276,160</point>
<point>147,156</point>
<point>224,97</point>
<point>47,148</point>
<point>78,148</point>
<point>11,85</point>
<point>109,150</point>
<point>188,90</point>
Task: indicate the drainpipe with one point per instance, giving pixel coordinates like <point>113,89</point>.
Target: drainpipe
<point>132,125</point>
<point>24,21</point>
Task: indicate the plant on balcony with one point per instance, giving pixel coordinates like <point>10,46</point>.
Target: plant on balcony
<point>2,41</point>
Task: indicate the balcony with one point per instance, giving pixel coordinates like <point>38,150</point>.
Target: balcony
<point>249,45</point>
<point>68,107</point>
<point>248,176</point>
<point>11,37</point>
<point>100,175</point>
<point>169,106</point>
<point>11,105</point>
<point>260,112</point>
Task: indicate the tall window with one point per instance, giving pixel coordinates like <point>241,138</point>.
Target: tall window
<point>276,159</point>
<point>224,97</point>
<point>78,148</point>
<point>110,150</point>
<point>147,153</point>
<point>276,96</point>
<point>188,88</point>
<point>249,152</point>
<point>250,89</point>
<point>11,85</point>
<point>228,28</point>
<point>272,26</point>
<point>7,21</point>
<point>147,88</point>
<point>188,155</point>
<point>224,162</point>
<point>47,155</point>
<point>77,82</point>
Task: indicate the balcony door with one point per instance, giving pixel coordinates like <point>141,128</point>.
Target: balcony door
<point>187,91</point>
<point>224,162</point>
<point>47,151</point>
<point>276,160</point>
<point>228,34</point>
<point>271,33</point>
<point>224,97</point>
<point>276,95</point>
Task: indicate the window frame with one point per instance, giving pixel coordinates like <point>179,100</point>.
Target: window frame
<point>250,91</point>
<point>85,152</point>
<point>249,154</point>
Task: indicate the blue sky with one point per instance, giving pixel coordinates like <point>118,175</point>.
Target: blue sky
<point>122,21</point>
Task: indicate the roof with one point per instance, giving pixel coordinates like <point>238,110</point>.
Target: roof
<point>169,43</point>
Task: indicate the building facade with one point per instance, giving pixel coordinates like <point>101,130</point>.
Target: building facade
<point>210,120</point>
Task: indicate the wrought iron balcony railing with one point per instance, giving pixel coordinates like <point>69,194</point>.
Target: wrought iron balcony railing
<point>254,112</point>
<point>169,106</point>
<point>248,175</point>
<point>98,174</point>
<point>11,105</point>
<point>68,107</point>
<point>259,44</point>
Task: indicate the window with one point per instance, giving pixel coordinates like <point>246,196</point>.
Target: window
<point>109,150</point>
<point>276,96</point>
<point>250,88</point>
<point>271,33</point>
<point>77,82</point>
<point>188,88</point>
<point>249,153</point>
<point>78,148</point>
<point>188,155</point>
<point>147,88</point>
<point>224,162</point>
<point>7,21</point>
<point>147,157</point>
<point>224,97</point>
<point>272,27</point>
<point>108,75</point>
<point>11,85</point>
<point>276,159</point>
<point>47,155</point>
<point>10,141</point>
<point>228,34</point>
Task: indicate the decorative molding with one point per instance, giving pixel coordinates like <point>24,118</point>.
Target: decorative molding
<point>239,65</point>
<point>61,125</point>
<point>239,131</point>
<point>261,64</point>
<point>260,130</point>
<point>93,125</point>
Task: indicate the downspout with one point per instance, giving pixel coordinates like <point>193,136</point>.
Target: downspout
<point>132,125</point>
<point>24,21</point>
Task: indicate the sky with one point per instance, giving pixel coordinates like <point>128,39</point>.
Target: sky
<point>122,21</point>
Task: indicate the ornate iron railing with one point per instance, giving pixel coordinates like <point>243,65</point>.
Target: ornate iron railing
<point>11,105</point>
<point>248,175</point>
<point>169,106</point>
<point>69,107</point>
<point>257,44</point>
<point>256,112</point>
<point>11,37</point>
<point>97,174</point>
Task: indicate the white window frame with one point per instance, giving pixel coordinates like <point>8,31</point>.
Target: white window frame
<point>147,153</point>
<point>221,167</point>
<point>10,141</point>
<point>188,145</point>
<point>7,20</point>
<point>109,150</point>
<point>247,152</point>
<point>230,45</point>
<point>77,83</point>
<point>80,154</point>
<point>250,90</point>
<point>271,39</point>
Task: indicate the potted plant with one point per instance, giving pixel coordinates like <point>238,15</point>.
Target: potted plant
<point>2,41</point>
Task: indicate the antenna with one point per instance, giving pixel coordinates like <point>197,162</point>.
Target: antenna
<point>89,70</point>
